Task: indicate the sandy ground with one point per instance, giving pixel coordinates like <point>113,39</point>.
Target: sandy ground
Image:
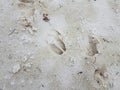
<point>59,44</point>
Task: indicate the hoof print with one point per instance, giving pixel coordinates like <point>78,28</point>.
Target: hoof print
<point>57,45</point>
<point>92,46</point>
<point>100,76</point>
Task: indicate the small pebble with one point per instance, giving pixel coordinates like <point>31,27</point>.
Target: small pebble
<point>16,68</point>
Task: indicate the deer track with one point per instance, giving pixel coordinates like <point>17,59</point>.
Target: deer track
<point>55,41</point>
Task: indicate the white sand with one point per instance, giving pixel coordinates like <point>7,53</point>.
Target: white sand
<point>59,44</point>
